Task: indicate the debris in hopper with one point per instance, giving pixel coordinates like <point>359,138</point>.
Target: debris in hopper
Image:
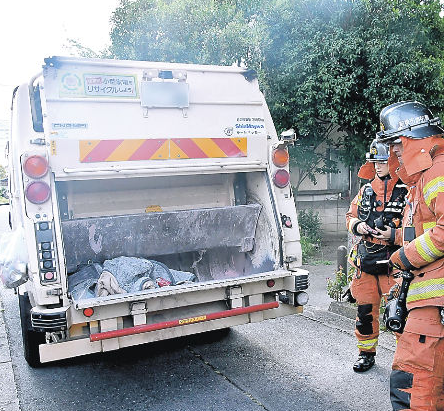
<point>123,275</point>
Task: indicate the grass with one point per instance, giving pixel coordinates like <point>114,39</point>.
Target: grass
<point>320,262</point>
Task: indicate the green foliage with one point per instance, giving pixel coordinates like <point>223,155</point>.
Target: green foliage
<point>3,172</point>
<point>335,286</point>
<point>310,231</point>
<point>320,62</point>
<point>308,248</point>
<point>310,225</point>
<point>197,31</point>
<point>345,60</point>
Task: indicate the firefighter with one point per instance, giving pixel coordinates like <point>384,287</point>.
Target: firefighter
<point>375,213</point>
<point>417,378</point>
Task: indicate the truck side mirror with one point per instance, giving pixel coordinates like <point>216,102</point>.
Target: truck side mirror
<point>288,136</point>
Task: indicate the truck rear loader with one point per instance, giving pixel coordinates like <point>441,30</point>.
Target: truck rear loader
<point>149,201</point>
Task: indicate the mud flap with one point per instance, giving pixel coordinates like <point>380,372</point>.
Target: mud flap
<point>156,234</point>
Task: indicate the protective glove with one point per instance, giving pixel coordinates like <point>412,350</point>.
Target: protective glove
<point>348,296</point>
<point>399,260</point>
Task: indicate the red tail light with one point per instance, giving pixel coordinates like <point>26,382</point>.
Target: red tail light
<point>280,157</point>
<point>35,166</point>
<point>281,178</point>
<point>88,312</point>
<point>38,192</point>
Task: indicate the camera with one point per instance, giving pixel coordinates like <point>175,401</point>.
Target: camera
<point>380,222</point>
<point>383,221</point>
<point>395,316</point>
<point>395,313</point>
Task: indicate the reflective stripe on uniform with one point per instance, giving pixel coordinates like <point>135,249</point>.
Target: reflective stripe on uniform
<point>367,344</point>
<point>429,225</point>
<point>432,188</point>
<point>424,290</point>
<point>352,222</point>
<point>426,249</point>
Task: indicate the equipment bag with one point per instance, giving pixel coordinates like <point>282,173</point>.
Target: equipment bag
<point>368,255</point>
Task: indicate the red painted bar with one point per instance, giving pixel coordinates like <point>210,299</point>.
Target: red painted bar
<point>139,329</point>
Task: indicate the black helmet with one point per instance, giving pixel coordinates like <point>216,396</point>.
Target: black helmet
<point>379,152</point>
<point>407,118</point>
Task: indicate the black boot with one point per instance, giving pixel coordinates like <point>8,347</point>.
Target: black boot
<point>366,360</point>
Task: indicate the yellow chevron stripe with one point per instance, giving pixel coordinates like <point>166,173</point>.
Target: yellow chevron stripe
<point>124,151</point>
<point>209,147</point>
<point>163,153</point>
<point>86,146</point>
<point>241,143</point>
<point>176,152</point>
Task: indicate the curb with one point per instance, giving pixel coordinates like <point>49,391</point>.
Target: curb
<point>342,315</point>
<point>343,308</point>
<point>9,398</point>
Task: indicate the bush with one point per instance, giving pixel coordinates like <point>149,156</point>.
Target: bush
<point>335,287</point>
<point>310,225</point>
<point>308,248</point>
<point>310,230</point>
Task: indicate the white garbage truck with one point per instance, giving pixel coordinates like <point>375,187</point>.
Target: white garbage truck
<point>149,201</point>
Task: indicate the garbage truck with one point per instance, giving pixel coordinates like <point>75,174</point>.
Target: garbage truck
<point>148,201</point>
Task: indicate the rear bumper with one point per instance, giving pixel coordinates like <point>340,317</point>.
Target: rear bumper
<point>84,346</point>
<point>131,319</point>
<point>182,322</point>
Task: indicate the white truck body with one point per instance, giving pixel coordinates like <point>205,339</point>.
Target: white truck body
<point>170,162</point>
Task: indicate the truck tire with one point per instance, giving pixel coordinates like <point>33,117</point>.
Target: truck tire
<point>31,339</point>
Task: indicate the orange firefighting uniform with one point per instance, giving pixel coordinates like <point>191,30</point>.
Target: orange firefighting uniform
<point>417,379</point>
<point>368,289</point>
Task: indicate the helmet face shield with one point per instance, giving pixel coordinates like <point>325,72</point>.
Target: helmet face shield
<point>409,119</point>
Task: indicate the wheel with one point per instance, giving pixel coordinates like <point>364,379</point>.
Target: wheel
<point>31,339</point>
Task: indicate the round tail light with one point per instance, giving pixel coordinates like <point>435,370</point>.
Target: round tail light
<point>35,166</point>
<point>281,178</point>
<point>88,312</point>
<point>280,157</point>
<point>38,192</point>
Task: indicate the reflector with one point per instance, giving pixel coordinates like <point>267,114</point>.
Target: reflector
<point>280,157</point>
<point>36,166</point>
<point>38,192</point>
<point>49,275</point>
<point>88,312</point>
<point>281,178</point>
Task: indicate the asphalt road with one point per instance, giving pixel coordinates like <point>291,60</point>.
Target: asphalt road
<point>298,363</point>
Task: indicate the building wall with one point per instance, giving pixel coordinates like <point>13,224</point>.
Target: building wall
<point>331,208</point>
<point>329,197</point>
